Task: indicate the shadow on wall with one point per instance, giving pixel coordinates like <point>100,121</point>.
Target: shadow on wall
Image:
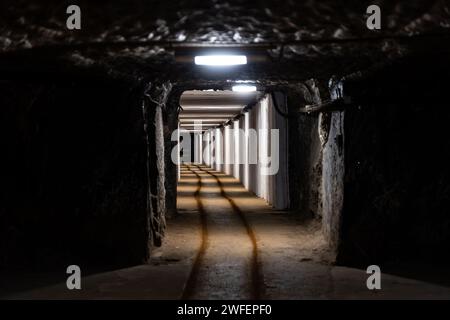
<point>73,173</point>
<point>397,174</point>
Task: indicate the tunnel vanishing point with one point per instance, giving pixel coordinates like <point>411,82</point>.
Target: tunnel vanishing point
<point>123,156</point>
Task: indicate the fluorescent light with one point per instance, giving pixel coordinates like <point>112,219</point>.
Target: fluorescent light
<point>191,120</point>
<point>200,124</point>
<point>192,130</point>
<point>220,60</point>
<point>243,88</point>
<point>205,115</point>
<point>206,108</point>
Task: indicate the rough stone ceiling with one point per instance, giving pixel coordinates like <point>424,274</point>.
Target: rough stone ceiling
<point>308,38</point>
<point>26,24</point>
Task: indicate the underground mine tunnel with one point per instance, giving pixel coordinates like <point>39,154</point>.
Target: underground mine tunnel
<point>224,150</point>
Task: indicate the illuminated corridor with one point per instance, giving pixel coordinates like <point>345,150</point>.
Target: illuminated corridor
<point>224,149</point>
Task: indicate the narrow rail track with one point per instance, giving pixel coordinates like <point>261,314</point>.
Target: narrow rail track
<point>256,281</point>
<point>190,285</point>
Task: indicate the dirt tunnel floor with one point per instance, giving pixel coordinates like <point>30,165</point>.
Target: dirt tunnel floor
<point>228,244</point>
<point>242,236</point>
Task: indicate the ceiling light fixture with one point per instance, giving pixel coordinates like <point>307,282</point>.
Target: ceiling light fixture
<point>208,108</point>
<point>243,88</point>
<point>220,60</point>
<point>205,120</point>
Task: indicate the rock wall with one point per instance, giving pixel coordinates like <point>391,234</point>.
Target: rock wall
<point>333,179</point>
<point>305,152</point>
<point>74,167</point>
<point>396,184</point>
<point>157,95</point>
<point>170,120</point>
